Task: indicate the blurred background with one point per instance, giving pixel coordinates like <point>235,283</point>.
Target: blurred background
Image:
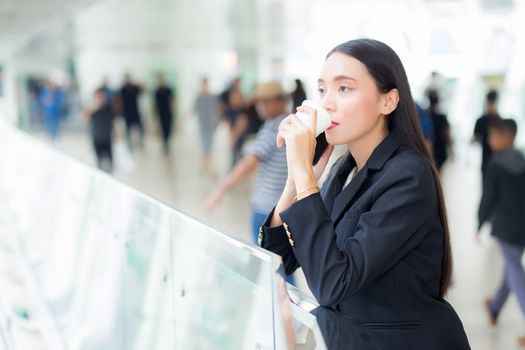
<point>148,58</point>
<point>474,44</point>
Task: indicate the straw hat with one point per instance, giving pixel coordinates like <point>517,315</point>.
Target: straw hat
<point>269,90</point>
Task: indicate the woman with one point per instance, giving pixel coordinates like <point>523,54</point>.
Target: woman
<point>374,242</point>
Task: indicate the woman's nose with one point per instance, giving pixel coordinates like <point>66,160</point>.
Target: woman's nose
<point>327,103</point>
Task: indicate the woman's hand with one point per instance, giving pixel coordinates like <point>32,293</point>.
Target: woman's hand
<point>300,146</point>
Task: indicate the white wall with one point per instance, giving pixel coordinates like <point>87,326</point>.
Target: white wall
<point>184,40</point>
<point>8,105</point>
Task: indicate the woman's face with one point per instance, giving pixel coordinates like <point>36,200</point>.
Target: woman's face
<point>349,94</point>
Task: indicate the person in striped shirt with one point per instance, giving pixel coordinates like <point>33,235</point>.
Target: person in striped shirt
<point>271,102</point>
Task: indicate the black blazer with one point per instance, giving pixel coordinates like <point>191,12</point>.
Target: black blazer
<point>373,251</point>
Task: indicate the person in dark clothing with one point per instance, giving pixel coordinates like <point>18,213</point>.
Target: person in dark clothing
<point>229,105</point>
<point>481,129</point>
<point>247,124</point>
<point>233,106</point>
<point>101,123</point>
<point>427,127</point>
<point>441,128</point>
<point>254,120</point>
<point>298,95</point>
<point>373,242</point>
<point>164,109</point>
<point>503,199</point>
<point>108,93</point>
<point>129,95</point>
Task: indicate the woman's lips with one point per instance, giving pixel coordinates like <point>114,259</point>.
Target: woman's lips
<point>332,125</point>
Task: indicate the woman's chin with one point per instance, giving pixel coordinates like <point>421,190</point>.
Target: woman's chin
<point>333,140</point>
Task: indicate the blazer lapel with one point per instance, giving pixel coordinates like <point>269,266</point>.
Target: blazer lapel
<point>348,194</point>
<point>334,182</point>
<point>329,192</point>
<point>376,161</point>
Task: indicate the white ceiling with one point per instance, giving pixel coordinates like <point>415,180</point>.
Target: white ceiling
<point>21,19</point>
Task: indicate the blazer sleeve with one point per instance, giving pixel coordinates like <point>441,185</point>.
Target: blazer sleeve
<point>381,237</point>
<point>276,240</point>
<point>489,196</point>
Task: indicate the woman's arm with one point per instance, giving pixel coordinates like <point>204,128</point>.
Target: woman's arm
<point>301,182</point>
<point>284,202</point>
<point>310,185</point>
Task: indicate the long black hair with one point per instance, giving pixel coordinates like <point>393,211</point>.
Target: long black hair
<point>386,69</point>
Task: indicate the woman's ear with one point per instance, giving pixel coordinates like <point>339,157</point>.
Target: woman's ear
<point>389,102</point>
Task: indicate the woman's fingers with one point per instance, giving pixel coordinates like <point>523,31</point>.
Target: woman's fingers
<point>291,125</point>
<point>280,140</point>
<point>312,121</point>
<point>283,136</point>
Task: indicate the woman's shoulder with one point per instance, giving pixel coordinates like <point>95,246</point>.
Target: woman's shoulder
<point>408,163</point>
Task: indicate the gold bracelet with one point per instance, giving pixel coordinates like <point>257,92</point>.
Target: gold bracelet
<point>308,191</point>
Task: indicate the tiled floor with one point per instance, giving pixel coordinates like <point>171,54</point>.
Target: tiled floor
<point>178,181</point>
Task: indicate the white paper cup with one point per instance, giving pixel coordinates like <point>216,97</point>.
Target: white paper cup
<point>323,119</point>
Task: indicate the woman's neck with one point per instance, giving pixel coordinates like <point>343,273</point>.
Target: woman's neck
<point>363,148</point>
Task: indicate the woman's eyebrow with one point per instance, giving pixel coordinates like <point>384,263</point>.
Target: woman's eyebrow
<point>343,77</point>
<point>337,78</point>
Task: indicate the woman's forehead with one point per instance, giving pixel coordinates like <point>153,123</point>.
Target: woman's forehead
<point>339,66</point>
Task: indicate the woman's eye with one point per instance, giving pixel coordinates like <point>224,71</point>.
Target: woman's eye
<point>321,91</point>
<point>344,88</point>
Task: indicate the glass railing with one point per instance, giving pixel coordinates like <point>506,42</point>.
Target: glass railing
<point>89,263</point>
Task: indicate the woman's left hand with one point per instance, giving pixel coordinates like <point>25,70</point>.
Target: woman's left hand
<point>300,146</point>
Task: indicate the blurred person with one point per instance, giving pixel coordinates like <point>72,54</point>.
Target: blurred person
<point>224,98</point>
<point>233,104</point>
<point>207,109</point>
<point>129,95</point>
<point>34,87</point>
<point>228,113</point>
<point>164,108</point>
<point>101,117</point>
<point>437,85</point>
<point>441,140</point>
<point>481,129</point>
<point>298,95</point>
<point>270,161</point>
<point>51,98</point>
<point>503,202</point>
<point>73,101</point>
<point>106,90</point>
<point>427,127</point>
<point>247,124</point>
<point>238,108</point>
<point>373,243</point>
